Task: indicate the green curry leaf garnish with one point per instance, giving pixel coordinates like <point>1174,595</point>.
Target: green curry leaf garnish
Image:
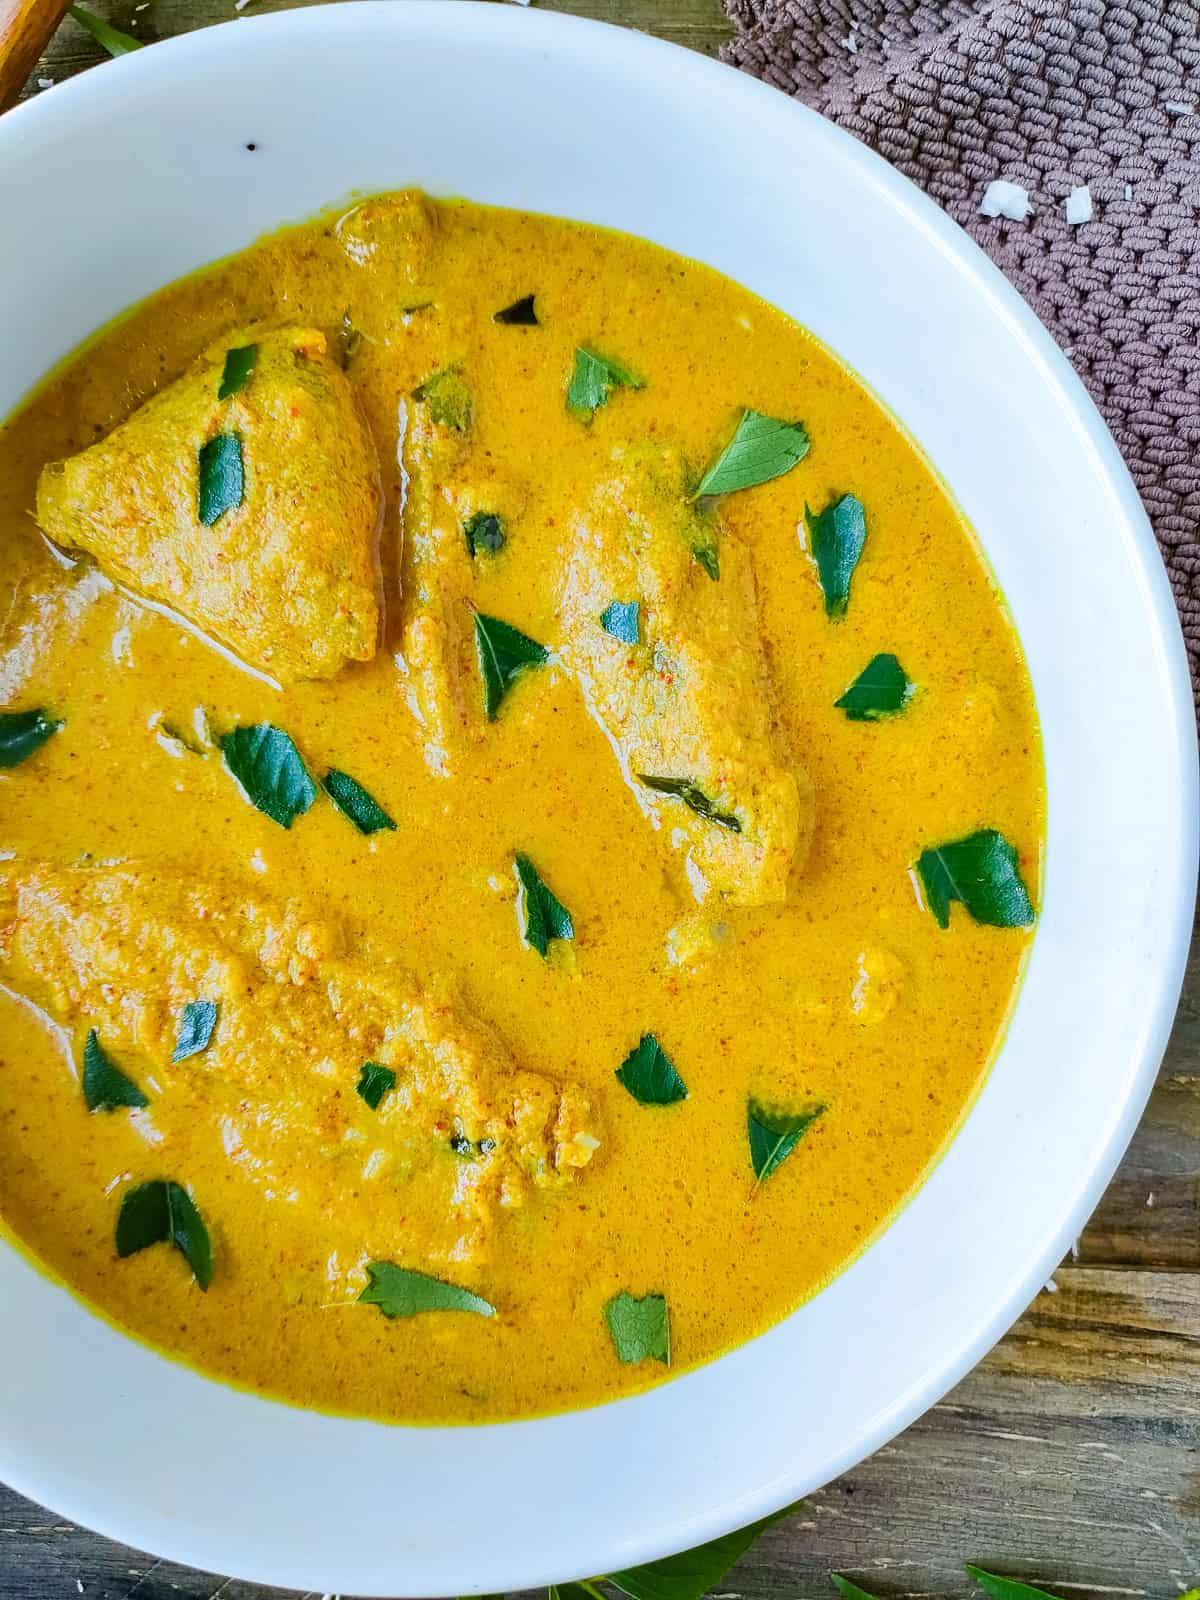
<point>113,40</point>
<point>982,873</point>
<point>881,689</point>
<point>544,915</point>
<point>650,1076</point>
<point>353,801</point>
<point>837,536</point>
<point>484,533</point>
<point>448,398</point>
<point>504,653</point>
<point>521,314</point>
<point>374,1081</point>
<point>105,1086</point>
<point>399,1292</point>
<point>239,364</point>
<point>222,480</point>
<point>163,1212</point>
<point>693,797</point>
<point>593,380</point>
<point>762,448</point>
<point>640,1329</point>
<point>773,1135</point>
<point>22,733</point>
<point>622,619</point>
<point>195,1029</point>
<point>270,771</point>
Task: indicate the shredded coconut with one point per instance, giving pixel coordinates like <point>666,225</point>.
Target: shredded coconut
<point>1079,205</point>
<point>1005,199</point>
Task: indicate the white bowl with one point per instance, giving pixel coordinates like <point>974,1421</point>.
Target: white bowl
<point>139,172</point>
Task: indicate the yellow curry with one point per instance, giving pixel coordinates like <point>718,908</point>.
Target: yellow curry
<point>521,816</point>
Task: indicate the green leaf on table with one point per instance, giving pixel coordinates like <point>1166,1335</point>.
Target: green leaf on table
<point>113,40</point>
<point>195,1029</point>
<point>544,915</point>
<point>239,364</point>
<point>640,1329</point>
<point>850,1591</point>
<point>353,801</point>
<point>222,481</point>
<point>162,1212</point>
<point>762,448</point>
<point>504,653</point>
<point>623,620</point>
<point>1012,1588</point>
<point>693,1573</point>
<point>693,797</point>
<point>484,533</point>
<point>374,1082</point>
<point>105,1086</point>
<point>398,1292</point>
<point>881,689</point>
<point>981,872</point>
<point>448,398</point>
<point>270,770</point>
<point>521,314</point>
<point>593,380</point>
<point>773,1135</point>
<point>650,1076</point>
<point>22,733</point>
<point>582,1591</point>
<point>836,538</point>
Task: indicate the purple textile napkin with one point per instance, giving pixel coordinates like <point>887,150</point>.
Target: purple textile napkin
<point>1052,95</point>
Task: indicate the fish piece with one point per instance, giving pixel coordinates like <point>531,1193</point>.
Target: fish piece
<point>286,576</point>
<point>397,230</point>
<point>688,705</point>
<point>125,949</point>
<point>447,484</point>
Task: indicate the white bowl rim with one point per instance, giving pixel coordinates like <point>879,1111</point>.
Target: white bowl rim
<point>324,1558</point>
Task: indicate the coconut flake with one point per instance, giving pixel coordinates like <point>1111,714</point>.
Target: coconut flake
<point>1129,191</point>
<point>1179,108</point>
<point>45,83</point>
<point>1005,199</point>
<point>849,43</point>
<point>1079,205</point>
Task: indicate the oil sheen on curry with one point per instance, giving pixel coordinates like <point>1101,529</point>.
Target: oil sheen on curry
<point>521,812</point>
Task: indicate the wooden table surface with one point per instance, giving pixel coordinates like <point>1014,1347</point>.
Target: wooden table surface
<point>1070,1454</point>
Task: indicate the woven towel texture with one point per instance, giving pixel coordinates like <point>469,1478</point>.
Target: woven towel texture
<point>1050,94</point>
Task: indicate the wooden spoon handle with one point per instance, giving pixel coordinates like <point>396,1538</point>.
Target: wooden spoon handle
<point>26,27</point>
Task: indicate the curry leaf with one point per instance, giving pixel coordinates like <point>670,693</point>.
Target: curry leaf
<point>521,314</point>
<point>105,1086</point>
<point>691,1574</point>
<point>195,1029</point>
<point>761,449</point>
<point>22,733</point>
<point>398,1292</point>
<point>881,688</point>
<point>774,1135</point>
<point>113,40</point>
<point>837,537</point>
<point>640,1329</point>
<point>222,483</point>
<point>707,556</point>
<point>484,532</point>
<point>504,653</point>
<point>448,398</point>
<point>270,770</point>
<point>163,1212</point>
<point>1012,1588</point>
<point>374,1082</point>
<point>650,1076</point>
<point>594,378</point>
<point>347,341</point>
<point>239,364</point>
<point>693,797</point>
<point>623,621</point>
<point>982,873</point>
<point>353,801</point>
<point>850,1591</point>
<point>545,916</point>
